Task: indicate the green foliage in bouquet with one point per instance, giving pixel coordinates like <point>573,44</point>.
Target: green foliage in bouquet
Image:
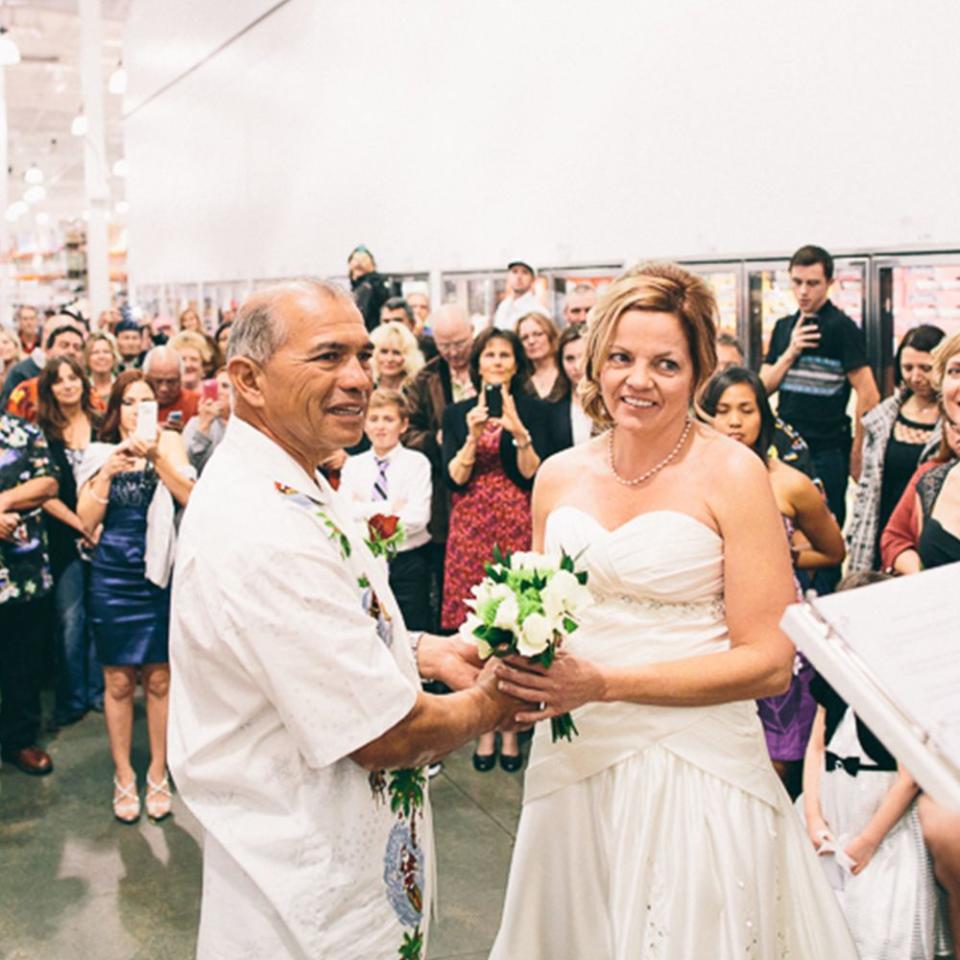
<point>527,604</point>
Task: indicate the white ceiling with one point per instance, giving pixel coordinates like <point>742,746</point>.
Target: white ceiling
<point>43,95</point>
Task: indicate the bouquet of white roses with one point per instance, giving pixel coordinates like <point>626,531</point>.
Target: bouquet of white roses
<point>527,604</point>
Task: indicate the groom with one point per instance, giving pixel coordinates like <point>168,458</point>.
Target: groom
<point>298,729</point>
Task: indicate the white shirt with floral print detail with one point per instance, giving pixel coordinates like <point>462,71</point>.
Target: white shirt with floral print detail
<point>279,673</point>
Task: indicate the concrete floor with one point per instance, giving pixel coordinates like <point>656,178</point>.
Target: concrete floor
<point>75,884</point>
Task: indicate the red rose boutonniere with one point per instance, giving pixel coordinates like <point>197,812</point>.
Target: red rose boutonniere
<point>385,533</point>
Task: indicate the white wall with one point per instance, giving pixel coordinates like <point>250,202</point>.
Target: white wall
<point>456,135</point>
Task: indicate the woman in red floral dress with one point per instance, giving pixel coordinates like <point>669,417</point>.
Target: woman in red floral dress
<point>490,463</point>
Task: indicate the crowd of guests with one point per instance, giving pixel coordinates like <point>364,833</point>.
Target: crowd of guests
<point>457,427</point>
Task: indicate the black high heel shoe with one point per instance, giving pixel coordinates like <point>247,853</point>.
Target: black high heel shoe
<point>484,762</point>
<point>511,763</point>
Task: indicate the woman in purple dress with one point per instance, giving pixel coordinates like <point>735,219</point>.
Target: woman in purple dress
<point>736,402</point>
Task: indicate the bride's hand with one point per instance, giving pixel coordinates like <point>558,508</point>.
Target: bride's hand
<point>569,683</point>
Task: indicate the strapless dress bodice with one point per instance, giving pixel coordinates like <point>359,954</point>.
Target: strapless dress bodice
<point>658,585</point>
<point>657,580</point>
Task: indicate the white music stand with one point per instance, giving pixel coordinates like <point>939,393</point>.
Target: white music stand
<point>892,651</point>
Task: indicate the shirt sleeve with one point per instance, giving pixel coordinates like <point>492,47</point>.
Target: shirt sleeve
<point>778,340</point>
<point>41,463</point>
<point>313,650</point>
<point>418,495</point>
<point>854,346</point>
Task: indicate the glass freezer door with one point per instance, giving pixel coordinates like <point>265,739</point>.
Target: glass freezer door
<point>911,290</point>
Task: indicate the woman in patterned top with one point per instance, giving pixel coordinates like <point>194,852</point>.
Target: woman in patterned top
<point>66,415</point>
<point>897,434</point>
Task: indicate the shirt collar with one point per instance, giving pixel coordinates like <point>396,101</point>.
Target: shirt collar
<point>270,458</point>
<point>389,458</point>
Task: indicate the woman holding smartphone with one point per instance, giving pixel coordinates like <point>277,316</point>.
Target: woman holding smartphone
<point>204,431</point>
<point>493,445</point>
<point>128,485</point>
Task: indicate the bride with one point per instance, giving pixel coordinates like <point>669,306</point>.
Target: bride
<point>662,830</point>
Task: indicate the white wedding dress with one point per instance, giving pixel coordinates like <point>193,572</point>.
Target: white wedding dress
<point>659,831</point>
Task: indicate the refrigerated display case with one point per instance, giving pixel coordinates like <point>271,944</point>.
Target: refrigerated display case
<point>725,279</point>
<point>913,289</point>
<point>560,280</point>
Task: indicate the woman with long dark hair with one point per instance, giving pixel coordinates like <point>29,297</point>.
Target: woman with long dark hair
<point>493,445</point>
<point>572,424</point>
<point>737,404</point>
<point>66,415</point>
<point>129,483</point>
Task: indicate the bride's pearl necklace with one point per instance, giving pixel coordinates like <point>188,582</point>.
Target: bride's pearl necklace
<point>653,470</point>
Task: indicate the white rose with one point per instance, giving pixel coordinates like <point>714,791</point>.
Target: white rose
<point>547,562</point>
<point>565,593</point>
<point>481,593</point>
<point>466,633</point>
<point>507,613</point>
<point>535,633</point>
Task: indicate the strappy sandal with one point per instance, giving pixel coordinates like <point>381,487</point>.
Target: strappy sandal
<point>126,801</point>
<point>158,798</point>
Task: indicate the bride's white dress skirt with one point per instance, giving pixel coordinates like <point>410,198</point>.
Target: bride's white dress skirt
<point>660,832</point>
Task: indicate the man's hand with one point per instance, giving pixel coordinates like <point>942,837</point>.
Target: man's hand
<point>8,523</point>
<point>510,707</point>
<point>805,334</point>
<point>449,659</point>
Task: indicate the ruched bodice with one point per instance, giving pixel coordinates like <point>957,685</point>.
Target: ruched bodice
<point>663,556</point>
<point>658,582</point>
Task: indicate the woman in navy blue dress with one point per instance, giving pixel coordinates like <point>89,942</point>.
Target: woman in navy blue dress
<point>129,485</point>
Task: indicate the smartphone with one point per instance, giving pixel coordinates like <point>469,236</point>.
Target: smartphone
<point>210,390</point>
<point>146,420</point>
<point>494,400</point>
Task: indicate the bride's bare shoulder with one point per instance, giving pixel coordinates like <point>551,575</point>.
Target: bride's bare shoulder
<point>568,466</point>
<point>719,455</point>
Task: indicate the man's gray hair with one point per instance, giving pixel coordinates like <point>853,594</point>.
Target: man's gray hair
<point>161,353</point>
<point>257,333</point>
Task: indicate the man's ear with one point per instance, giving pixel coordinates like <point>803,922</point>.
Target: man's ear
<point>247,378</point>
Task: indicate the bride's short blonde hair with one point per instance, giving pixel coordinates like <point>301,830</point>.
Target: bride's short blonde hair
<point>657,288</point>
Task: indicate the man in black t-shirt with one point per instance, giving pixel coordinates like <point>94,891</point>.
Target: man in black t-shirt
<point>815,356</point>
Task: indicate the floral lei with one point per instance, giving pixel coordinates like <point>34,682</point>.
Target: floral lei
<point>403,871</point>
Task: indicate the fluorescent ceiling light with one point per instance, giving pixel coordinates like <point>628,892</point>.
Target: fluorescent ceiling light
<point>34,174</point>
<point>121,168</point>
<point>79,125</point>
